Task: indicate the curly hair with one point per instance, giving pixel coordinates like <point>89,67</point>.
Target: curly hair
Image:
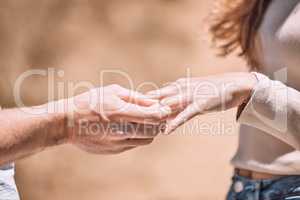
<point>234,24</point>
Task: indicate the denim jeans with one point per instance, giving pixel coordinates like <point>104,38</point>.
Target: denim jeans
<point>8,189</point>
<point>285,188</point>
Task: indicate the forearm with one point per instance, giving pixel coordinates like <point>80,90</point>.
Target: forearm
<point>275,109</point>
<point>23,134</point>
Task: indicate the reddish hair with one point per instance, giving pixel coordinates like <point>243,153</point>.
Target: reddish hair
<point>234,24</point>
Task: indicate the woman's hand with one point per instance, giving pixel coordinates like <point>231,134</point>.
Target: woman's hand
<point>189,97</point>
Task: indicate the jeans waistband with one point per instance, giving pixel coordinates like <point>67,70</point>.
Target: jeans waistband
<point>276,189</point>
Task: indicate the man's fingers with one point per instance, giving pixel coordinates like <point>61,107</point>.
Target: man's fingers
<point>127,130</point>
<point>135,97</point>
<point>186,115</point>
<point>133,119</point>
<point>120,150</point>
<point>134,142</point>
<point>167,91</point>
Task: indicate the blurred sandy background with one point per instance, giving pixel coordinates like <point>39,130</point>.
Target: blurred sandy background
<point>150,40</point>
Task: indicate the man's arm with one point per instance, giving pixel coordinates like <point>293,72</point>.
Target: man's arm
<point>23,134</point>
<point>105,120</point>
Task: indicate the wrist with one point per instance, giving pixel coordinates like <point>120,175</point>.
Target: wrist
<point>57,132</point>
<point>249,82</point>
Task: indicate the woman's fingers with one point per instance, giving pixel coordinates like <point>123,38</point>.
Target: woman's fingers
<point>186,115</point>
<point>177,102</point>
<point>140,114</point>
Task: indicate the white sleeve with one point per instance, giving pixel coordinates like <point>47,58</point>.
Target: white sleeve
<point>275,109</point>
<point>289,32</point>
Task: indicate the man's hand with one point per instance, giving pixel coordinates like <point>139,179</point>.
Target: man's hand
<point>113,119</point>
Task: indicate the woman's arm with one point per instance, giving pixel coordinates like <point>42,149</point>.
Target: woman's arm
<point>263,103</point>
<point>275,109</point>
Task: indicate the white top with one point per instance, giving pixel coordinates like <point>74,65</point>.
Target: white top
<point>270,123</point>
